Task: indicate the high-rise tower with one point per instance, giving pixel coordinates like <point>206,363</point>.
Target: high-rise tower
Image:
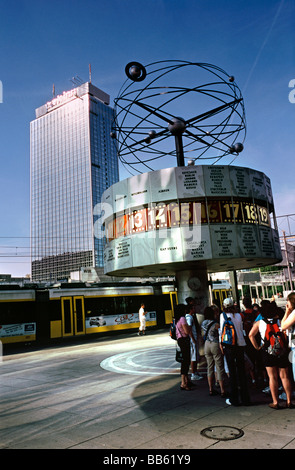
<point>73,160</point>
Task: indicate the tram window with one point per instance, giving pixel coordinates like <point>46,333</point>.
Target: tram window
<point>106,305</point>
<point>164,301</point>
<point>99,306</point>
<point>132,304</point>
<point>150,301</point>
<point>168,300</point>
<point>16,312</point>
<point>67,316</point>
<point>120,305</point>
<point>54,309</point>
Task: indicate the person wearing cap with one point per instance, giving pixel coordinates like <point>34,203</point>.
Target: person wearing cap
<point>234,355</point>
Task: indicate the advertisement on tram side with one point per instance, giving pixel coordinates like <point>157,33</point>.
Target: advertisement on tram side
<point>18,332</point>
<point>105,322</point>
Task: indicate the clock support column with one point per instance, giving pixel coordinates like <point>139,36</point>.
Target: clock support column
<point>193,283</point>
<point>179,150</point>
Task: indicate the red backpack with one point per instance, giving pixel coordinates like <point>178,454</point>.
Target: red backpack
<point>275,340</point>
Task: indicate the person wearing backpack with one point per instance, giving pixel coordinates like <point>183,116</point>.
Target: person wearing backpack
<point>232,343</point>
<point>275,352</point>
<point>195,331</point>
<point>210,327</point>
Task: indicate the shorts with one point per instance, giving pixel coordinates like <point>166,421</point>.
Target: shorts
<point>273,361</point>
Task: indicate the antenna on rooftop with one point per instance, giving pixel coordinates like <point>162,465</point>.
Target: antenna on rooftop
<point>76,80</point>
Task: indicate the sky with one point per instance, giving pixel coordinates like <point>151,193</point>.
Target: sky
<point>49,42</point>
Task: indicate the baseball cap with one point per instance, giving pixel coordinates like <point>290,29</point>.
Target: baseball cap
<point>228,302</point>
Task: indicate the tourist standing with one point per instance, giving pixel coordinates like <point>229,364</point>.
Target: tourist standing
<point>234,355</point>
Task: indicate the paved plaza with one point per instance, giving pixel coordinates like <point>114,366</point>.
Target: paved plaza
<point>123,392</point>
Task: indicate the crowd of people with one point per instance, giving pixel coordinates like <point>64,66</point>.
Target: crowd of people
<point>253,345</point>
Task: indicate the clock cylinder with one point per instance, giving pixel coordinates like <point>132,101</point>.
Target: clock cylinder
<point>201,219</point>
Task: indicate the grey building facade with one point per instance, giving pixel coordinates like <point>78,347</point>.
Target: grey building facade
<point>73,160</point>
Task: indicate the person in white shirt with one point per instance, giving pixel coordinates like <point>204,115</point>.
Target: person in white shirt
<point>142,320</point>
<point>235,357</point>
<point>288,325</point>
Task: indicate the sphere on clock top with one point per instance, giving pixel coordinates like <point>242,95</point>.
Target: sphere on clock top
<point>198,105</point>
<point>186,210</point>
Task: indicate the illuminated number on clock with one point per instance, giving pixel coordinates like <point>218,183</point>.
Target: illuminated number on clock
<point>214,212</point>
<point>236,208</point>
<point>121,226</point>
<point>251,212</point>
<point>231,212</point>
<point>174,214</point>
<point>161,216</point>
<point>263,216</point>
<point>139,221</point>
<point>185,213</point>
<point>151,218</point>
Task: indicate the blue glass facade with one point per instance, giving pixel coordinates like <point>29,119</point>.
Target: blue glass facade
<point>73,160</point>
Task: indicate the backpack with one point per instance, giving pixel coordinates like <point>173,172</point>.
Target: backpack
<point>228,334</point>
<point>172,331</point>
<point>275,342</point>
<point>207,330</point>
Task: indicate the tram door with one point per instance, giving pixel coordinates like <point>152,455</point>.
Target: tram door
<point>218,297</point>
<point>73,316</point>
<point>169,313</point>
<point>173,300</point>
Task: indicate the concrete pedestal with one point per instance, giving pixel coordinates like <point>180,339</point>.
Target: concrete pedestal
<point>193,283</point>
